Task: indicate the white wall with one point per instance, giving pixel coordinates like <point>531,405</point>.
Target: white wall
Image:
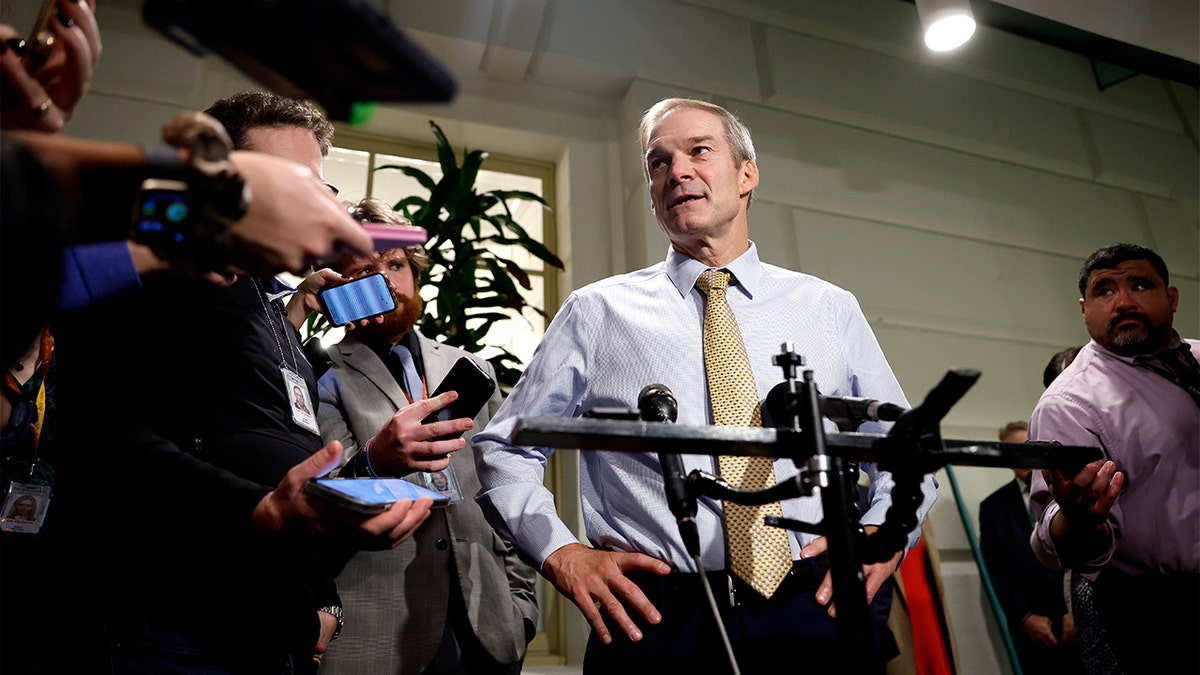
<point>955,195</point>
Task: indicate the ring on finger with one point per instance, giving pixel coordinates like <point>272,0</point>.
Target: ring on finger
<point>41,110</point>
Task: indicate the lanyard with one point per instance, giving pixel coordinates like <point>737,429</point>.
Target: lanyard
<point>46,350</point>
<point>271,322</point>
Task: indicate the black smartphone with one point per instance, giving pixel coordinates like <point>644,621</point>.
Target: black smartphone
<point>359,299</point>
<point>474,388</point>
<point>370,495</point>
<point>162,217</point>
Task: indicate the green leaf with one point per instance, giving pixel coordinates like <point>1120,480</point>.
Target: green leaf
<point>476,288</point>
<point>421,177</point>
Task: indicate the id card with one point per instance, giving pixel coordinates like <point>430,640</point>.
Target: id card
<point>303,411</point>
<point>24,508</point>
<point>442,482</point>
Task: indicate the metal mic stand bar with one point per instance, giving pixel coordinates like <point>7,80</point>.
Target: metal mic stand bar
<point>629,436</point>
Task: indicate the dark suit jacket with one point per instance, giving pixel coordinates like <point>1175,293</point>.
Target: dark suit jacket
<point>180,423</point>
<point>396,601</point>
<point>1023,585</point>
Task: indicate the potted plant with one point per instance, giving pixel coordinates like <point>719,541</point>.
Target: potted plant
<point>476,287</point>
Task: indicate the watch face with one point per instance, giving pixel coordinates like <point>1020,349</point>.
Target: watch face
<point>163,218</point>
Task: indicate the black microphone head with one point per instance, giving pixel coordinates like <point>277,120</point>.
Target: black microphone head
<point>780,408</point>
<point>656,403</point>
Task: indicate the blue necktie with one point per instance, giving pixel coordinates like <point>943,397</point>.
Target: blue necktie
<point>410,380</point>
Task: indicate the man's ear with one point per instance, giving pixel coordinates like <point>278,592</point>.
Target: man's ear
<point>1173,295</point>
<point>749,177</point>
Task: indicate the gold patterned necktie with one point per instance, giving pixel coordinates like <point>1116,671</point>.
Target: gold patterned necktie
<point>758,554</point>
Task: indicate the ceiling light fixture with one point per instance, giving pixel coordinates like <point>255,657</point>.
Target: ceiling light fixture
<point>947,23</point>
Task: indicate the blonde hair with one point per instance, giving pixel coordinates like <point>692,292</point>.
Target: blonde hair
<point>736,134</point>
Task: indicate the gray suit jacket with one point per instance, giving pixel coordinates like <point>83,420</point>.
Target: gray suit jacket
<point>396,601</point>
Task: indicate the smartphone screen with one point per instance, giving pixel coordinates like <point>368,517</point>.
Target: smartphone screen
<point>162,216</point>
<point>474,388</point>
<point>364,297</point>
<point>370,495</point>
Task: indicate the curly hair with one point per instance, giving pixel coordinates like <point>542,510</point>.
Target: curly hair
<point>372,210</point>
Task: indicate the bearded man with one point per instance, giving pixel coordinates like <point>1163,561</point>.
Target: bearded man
<point>455,598</point>
<point>1130,520</point>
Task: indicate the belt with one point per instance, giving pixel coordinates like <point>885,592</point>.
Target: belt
<point>804,577</point>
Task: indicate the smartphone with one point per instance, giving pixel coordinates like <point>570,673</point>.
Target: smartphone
<point>41,38</point>
<point>474,388</point>
<point>370,495</point>
<point>359,299</point>
<point>162,215</point>
<point>388,237</point>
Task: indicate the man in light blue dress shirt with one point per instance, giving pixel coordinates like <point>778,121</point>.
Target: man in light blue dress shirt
<point>634,580</point>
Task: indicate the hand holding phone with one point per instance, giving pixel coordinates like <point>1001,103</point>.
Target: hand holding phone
<point>474,388</point>
<point>359,299</point>
<point>370,495</point>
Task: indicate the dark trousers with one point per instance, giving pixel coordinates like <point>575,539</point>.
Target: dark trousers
<point>789,628</point>
<point>1152,622</point>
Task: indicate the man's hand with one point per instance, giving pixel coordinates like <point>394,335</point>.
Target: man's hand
<point>1080,529</point>
<point>1068,629</point>
<point>875,573</point>
<point>1087,497</point>
<point>288,508</point>
<point>293,219</point>
<point>307,300</point>
<point>1040,630</point>
<point>328,628</point>
<point>595,580</point>
<point>404,444</point>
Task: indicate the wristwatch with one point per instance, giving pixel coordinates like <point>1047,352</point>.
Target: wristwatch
<point>337,613</point>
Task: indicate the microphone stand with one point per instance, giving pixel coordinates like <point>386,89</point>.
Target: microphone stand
<point>836,478</point>
<point>912,449</point>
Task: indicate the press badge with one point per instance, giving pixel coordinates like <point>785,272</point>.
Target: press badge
<point>303,412</point>
<point>24,508</point>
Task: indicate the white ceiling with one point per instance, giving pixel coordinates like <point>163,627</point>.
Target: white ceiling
<point>1170,27</point>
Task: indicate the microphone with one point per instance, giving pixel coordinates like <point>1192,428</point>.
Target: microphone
<point>847,411</point>
<point>850,408</point>
<point>656,403</point>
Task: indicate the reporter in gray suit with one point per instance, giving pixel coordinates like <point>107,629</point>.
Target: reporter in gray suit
<point>454,599</point>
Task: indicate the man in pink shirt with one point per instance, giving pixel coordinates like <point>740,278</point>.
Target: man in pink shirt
<point>1133,519</point>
